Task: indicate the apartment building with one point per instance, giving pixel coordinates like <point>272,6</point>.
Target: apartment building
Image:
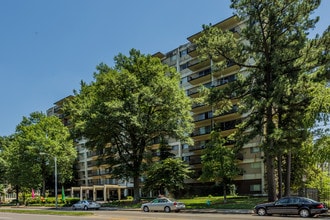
<point>194,74</point>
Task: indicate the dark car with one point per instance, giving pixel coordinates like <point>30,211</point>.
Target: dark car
<point>304,207</point>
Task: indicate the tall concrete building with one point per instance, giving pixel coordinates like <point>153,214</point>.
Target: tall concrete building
<point>194,74</point>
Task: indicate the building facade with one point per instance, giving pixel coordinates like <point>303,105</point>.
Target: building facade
<point>196,73</point>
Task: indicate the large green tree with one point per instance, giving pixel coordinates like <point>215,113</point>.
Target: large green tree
<point>128,108</point>
<point>30,153</point>
<point>284,74</point>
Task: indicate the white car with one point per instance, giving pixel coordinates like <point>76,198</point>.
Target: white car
<point>85,205</point>
<point>163,204</point>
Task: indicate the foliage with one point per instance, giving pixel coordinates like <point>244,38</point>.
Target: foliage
<point>26,168</point>
<point>168,174</point>
<point>282,75</point>
<point>127,109</point>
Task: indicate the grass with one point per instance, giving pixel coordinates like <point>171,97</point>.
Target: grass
<point>46,212</point>
<point>238,202</point>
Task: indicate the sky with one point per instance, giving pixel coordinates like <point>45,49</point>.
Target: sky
<point>48,47</point>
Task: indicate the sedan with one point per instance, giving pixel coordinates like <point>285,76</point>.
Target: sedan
<point>304,207</point>
<point>163,204</point>
<point>85,205</point>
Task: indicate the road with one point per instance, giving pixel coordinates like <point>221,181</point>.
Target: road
<point>137,215</point>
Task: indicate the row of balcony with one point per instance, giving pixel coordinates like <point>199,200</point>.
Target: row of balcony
<point>222,126</point>
<point>209,114</point>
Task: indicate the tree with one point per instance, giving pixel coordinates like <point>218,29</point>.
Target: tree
<point>167,175</point>
<point>19,165</point>
<point>219,162</point>
<point>127,109</point>
<point>38,134</point>
<point>283,71</point>
<point>2,161</point>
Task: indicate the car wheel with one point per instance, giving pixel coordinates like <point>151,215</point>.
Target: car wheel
<point>85,207</point>
<point>145,209</point>
<point>304,213</point>
<point>261,212</point>
<point>167,209</point>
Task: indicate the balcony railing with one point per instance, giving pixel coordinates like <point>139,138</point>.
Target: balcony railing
<point>199,74</point>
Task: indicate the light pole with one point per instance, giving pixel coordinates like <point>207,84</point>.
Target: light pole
<point>56,198</point>
<point>55,177</point>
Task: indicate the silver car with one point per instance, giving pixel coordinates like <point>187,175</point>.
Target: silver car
<point>163,204</point>
<point>85,205</point>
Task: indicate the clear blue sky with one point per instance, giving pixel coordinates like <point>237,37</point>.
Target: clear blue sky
<point>47,47</point>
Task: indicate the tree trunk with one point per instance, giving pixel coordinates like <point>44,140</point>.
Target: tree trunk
<point>17,191</point>
<point>43,187</point>
<point>288,174</point>
<point>136,189</point>
<point>270,151</point>
<point>225,193</point>
<point>280,176</point>
<point>270,178</point>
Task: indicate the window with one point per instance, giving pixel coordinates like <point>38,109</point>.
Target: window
<point>283,201</point>
<point>186,159</point>
<point>256,165</point>
<point>255,187</point>
<point>254,150</point>
<point>183,66</point>
<point>173,58</point>
<point>185,146</point>
<point>184,80</point>
<point>175,147</point>
<point>183,53</point>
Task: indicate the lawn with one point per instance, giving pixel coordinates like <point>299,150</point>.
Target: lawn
<point>47,212</point>
<point>238,202</point>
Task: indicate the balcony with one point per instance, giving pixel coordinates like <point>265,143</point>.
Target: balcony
<point>200,77</point>
<point>203,116</point>
<point>197,64</point>
<point>226,24</point>
<point>231,68</point>
<point>191,92</point>
<point>192,50</point>
<point>201,131</point>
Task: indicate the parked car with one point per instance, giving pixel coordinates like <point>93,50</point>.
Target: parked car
<point>302,206</point>
<point>85,205</point>
<point>163,204</point>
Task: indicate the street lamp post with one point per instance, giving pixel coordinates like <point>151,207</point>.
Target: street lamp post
<point>56,198</point>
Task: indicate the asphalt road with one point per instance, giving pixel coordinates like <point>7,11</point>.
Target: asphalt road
<point>138,215</point>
